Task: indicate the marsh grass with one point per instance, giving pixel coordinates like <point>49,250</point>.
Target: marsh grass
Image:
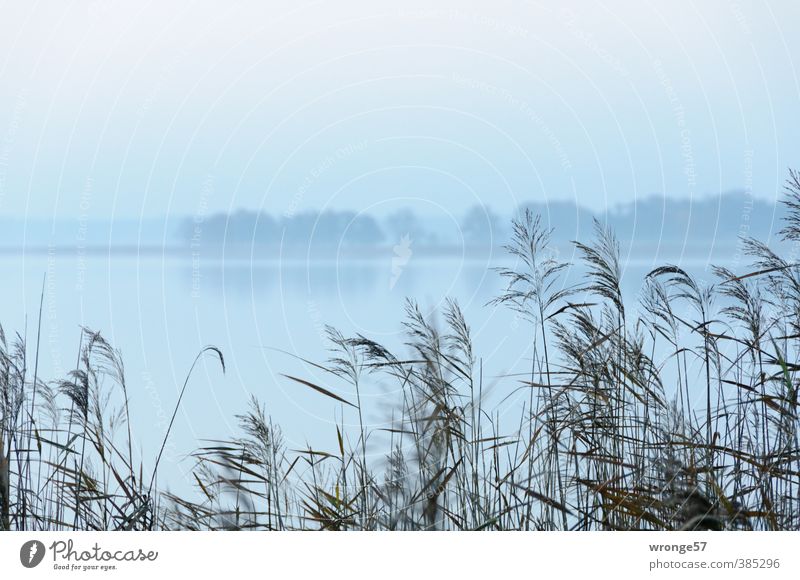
<point>66,447</point>
<point>678,411</point>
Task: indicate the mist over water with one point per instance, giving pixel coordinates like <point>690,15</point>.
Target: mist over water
<point>159,311</point>
<point>251,175</point>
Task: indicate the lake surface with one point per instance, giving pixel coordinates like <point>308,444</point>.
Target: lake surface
<point>160,310</point>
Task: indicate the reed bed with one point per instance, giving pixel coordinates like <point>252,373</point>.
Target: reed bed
<point>677,412</point>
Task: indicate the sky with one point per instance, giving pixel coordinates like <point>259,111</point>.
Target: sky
<point>141,109</point>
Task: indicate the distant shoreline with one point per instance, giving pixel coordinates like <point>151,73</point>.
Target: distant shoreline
<point>635,248</point>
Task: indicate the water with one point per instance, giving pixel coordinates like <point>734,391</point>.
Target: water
<point>159,310</point>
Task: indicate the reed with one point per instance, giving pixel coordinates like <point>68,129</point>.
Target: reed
<point>677,411</point>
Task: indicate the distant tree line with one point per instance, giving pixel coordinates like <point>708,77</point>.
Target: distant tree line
<point>249,227</point>
<point>721,218</point>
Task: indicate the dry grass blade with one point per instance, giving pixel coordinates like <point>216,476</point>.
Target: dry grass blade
<point>319,389</point>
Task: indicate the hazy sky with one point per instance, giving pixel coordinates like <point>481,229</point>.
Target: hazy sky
<point>148,108</point>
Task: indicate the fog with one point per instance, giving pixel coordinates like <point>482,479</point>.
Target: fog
<point>144,110</point>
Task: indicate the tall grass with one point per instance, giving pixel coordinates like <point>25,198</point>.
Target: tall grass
<point>678,411</point>
<point>66,447</point>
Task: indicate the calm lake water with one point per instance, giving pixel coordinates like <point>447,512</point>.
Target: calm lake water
<point>160,310</point>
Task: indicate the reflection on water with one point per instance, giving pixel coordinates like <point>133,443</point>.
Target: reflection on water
<point>353,278</point>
